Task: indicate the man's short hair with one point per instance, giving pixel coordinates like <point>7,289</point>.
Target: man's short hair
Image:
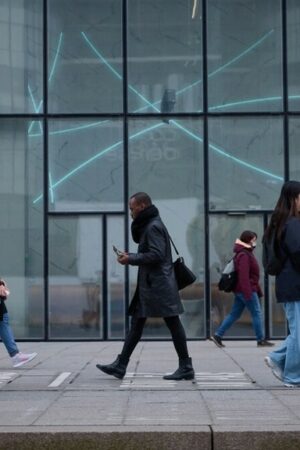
<point>142,197</point>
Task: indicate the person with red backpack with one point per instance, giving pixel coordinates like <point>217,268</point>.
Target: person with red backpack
<point>247,290</point>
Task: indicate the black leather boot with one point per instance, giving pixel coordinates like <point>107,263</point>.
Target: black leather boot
<point>117,368</point>
<point>185,371</point>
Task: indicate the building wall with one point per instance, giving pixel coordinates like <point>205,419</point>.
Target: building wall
<point>195,102</point>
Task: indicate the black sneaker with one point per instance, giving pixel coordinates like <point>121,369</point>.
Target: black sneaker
<point>217,340</point>
<point>264,343</point>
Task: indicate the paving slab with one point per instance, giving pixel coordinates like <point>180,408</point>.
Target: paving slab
<point>61,400</point>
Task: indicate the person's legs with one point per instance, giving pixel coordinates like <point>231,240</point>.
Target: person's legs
<point>253,306</point>
<point>119,366</point>
<point>285,359</point>
<point>7,336</point>
<point>185,370</point>
<point>291,372</point>
<point>235,313</point>
<point>133,337</point>
<point>178,336</point>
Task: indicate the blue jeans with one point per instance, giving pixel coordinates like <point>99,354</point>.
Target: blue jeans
<point>7,336</point>
<point>239,304</point>
<point>287,355</point>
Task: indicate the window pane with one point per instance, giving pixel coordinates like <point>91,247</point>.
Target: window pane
<point>115,279</point>
<point>21,55</point>
<point>245,162</point>
<point>165,160</point>
<point>85,56</point>
<point>293,38</point>
<point>85,165</point>
<point>224,231</point>
<point>164,56</point>
<point>75,277</point>
<point>21,181</point>
<point>244,55</point>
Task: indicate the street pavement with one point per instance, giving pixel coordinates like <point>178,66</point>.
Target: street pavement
<point>61,400</point>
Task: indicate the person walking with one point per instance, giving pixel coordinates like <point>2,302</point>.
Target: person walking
<point>247,290</point>
<point>156,294</point>
<point>284,225</point>
<point>6,334</point>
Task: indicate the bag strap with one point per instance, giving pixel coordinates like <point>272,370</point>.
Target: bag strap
<point>174,246</point>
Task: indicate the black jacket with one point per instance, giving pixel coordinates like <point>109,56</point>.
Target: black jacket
<point>156,294</point>
<point>288,281</point>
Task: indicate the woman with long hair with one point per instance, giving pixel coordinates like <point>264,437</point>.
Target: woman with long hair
<point>284,226</point>
<point>247,291</point>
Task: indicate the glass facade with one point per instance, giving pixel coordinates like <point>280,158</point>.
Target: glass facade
<point>195,102</point>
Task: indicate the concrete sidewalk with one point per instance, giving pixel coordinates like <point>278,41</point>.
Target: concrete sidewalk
<point>61,400</point>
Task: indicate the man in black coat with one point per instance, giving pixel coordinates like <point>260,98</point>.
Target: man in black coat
<point>156,294</point>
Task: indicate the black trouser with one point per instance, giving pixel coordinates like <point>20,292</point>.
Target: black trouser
<point>135,333</point>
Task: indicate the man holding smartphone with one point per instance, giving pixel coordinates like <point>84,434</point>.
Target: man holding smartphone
<point>156,294</point>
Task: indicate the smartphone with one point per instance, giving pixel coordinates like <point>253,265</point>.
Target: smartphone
<point>117,252</point>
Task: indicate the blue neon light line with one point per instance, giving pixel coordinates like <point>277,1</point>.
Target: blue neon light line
<point>146,130</point>
<point>152,105</point>
<point>78,128</point>
<point>56,57</point>
<point>244,163</point>
<point>97,156</point>
<point>115,72</point>
<point>37,110</point>
<point>51,188</point>
<point>212,108</point>
<point>246,102</point>
<point>241,162</point>
<point>34,106</point>
<point>73,129</point>
<point>105,62</point>
<point>245,52</point>
<point>215,72</point>
<point>227,155</point>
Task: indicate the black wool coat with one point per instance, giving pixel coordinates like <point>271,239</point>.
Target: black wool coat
<point>156,294</point>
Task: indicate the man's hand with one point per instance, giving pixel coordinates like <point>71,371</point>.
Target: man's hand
<point>123,259</point>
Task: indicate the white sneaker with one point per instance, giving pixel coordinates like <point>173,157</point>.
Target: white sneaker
<point>293,386</point>
<point>22,358</point>
<point>276,370</point>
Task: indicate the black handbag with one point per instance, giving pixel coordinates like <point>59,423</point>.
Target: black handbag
<point>184,276</point>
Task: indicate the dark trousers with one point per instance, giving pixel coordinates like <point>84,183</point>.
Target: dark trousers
<point>136,330</point>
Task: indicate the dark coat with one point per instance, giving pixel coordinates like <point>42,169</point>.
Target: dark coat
<point>247,269</point>
<point>156,294</point>
<point>287,283</point>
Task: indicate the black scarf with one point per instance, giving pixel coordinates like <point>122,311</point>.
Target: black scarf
<point>141,221</point>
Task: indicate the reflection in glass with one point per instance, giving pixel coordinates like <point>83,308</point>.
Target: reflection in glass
<point>75,277</point>
<point>21,265</point>
<point>293,41</point>
<point>164,56</point>
<point>85,43</point>
<point>248,153</point>
<point>165,160</point>
<point>85,165</point>
<point>115,278</point>
<point>21,53</point>
<point>224,231</point>
<point>244,55</point>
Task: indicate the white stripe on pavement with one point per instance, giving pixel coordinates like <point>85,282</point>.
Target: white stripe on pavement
<point>60,379</point>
